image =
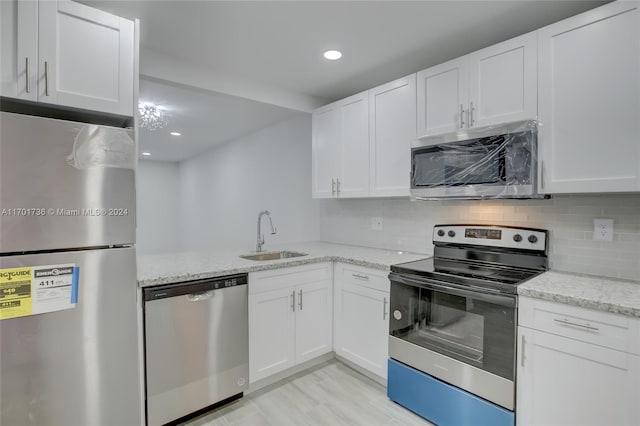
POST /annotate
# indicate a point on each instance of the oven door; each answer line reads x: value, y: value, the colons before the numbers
x: 463, y: 336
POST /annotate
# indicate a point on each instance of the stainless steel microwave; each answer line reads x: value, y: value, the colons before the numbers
x: 489, y: 162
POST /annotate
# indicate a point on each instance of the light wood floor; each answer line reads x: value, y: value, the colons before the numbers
x: 330, y: 394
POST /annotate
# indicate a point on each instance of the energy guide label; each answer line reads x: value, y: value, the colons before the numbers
x: 37, y: 289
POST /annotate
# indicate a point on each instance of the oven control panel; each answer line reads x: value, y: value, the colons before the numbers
x: 491, y: 236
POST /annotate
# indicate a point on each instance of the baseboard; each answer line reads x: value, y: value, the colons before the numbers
x: 380, y: 380
x: 289, y: 372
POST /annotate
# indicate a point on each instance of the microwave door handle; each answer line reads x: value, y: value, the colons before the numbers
x: 457, y: 291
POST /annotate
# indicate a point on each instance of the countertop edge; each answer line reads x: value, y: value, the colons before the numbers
x: 261, y: 267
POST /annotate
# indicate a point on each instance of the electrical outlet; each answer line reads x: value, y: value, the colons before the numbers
x: 376, y: 223
x: 603, y: 229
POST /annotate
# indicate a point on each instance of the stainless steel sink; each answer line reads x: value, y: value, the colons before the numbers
x: 274, y: 255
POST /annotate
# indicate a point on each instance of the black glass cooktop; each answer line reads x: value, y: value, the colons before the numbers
x: 474, y: 274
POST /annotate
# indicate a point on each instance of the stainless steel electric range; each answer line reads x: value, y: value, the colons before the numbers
x: 453, y: 323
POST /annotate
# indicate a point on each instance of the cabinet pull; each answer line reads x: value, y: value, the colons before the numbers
x: 384, y: 309
x: 300, y: 301
x: 26, y: 67
x: 360, y: 277
x: 333, y: 187
x: 565, y: 321
x: 522, y: 351
x: 338, y: 186
x: 46, y: 78
x: 293, y: 301
x: 542, y: 172
x: 471, y: 109
x: 461, y: 116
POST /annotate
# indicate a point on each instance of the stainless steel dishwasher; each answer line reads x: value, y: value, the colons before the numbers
x: 196, y: 346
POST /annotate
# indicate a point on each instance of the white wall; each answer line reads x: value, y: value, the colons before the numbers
x: 408, y: 226
x: 157, y: 207
x: 222, y: 190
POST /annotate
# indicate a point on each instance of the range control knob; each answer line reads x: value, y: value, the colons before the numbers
x: 533, y: 239
x: 517, y: 238
x: 440, y: 233
x: 451, y: 233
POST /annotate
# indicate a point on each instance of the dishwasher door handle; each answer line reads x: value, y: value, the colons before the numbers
x: 196, y: 297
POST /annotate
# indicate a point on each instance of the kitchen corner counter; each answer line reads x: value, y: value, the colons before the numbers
x: 599, y: 293
x: 168, y: 268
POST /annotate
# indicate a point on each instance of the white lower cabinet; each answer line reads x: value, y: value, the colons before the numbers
x: 576, y: 366
x: 289, y: 317
x: 361, y: 321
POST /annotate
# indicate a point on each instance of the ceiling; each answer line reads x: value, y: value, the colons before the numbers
x: 203, y: 118
x: 271, y: 51
x: 280, y: 43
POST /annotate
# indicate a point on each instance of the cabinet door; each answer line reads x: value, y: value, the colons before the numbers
x: 392, y: 113
x: 325, y: 150
x: 271, y: 333
x: 362, y: 326
x: 313, y: 320
x: 589, y: 101
x: 19, y: 44
x: 85, y: 58
x: 563, y: 381
x: 503, y: 82
x: 443, y: 96
x: 354, y: 141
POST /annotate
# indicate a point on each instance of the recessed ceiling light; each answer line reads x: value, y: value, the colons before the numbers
x: 333, y: 55
x: 176, y: 134
x: 146, y: 154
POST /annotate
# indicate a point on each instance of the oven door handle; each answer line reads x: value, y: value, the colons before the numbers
x: 508, y: 301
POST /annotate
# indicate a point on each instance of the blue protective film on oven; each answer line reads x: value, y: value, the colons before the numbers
x: 441, y: 403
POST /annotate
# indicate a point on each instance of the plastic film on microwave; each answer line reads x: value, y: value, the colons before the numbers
x: 490, y: 162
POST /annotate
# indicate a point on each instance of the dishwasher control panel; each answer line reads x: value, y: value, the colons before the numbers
x: 194, y: 287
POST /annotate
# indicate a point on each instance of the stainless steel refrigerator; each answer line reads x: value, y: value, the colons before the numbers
x: 68, y: 328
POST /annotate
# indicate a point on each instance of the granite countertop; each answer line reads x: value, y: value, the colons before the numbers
x: 184, y: 266
x: 599, y: 293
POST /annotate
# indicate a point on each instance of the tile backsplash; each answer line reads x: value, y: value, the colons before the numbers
x: 408, y: 225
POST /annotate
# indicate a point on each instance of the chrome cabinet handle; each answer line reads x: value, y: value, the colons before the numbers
x: 461, y: 116
x: 542, y: 173
x: 522, y: 351
x: 300, y: 301
x: 338, y: 186
x: 333, y: 187
x: 384, y: 309
x: 26, y: 66
x: 471, y: 109
x: 293, y: 301
x: 565, y: 321
x: 46, y: 78
x: 360, y: 277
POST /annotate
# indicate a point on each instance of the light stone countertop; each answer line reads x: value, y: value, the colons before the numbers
x: 599, y: 293
x: 168, y: 268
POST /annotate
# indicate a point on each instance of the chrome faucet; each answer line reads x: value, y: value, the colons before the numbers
x: 260, y: 241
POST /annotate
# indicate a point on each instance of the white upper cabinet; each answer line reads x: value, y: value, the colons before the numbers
x: 443, y: 96
x: 503, y: 82
x: 86, y: 58
x: 327, y: 162
x: 19, y: 44
x: 589, y: 95
x: 392, y: 121
x: 353, y: 178
x: 66, y: 53
x: 340, y: 146
x: 491, y: 86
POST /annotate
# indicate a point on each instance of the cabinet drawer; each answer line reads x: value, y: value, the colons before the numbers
x: 586, y: 325
x: 361, y: 276
x: 273, y: 279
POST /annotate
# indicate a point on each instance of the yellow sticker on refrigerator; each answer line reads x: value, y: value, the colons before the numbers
x: 37, y: 289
